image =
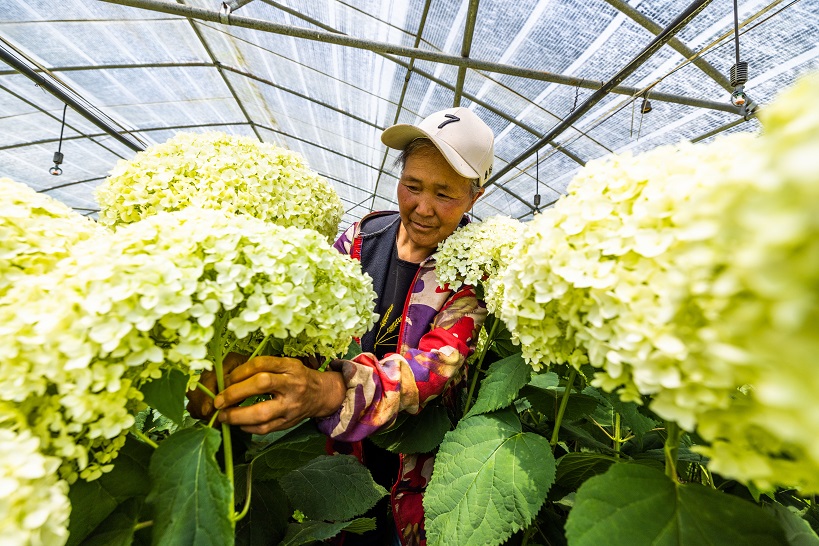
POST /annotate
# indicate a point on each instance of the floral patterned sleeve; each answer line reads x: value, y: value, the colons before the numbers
x: 428, y: 362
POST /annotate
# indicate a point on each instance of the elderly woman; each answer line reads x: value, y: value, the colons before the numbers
x: 418, y: 348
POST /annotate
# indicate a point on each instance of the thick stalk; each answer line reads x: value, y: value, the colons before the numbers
x: 617, y: 440
x: 218, y: 357
x: 562, y: 409
x: 145, y: 438
x: 249, y: 488
x: 672, y: 448
x: 479, y: 362
x: 204, y: 389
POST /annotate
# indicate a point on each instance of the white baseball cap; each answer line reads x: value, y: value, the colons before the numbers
x: 463, y: 138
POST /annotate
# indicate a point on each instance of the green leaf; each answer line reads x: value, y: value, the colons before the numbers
x: 489, y: 480
x: 546, y: 401
x: 502, y: 345
x: 118, y: 528
x: 575, y: 468
x: 332, y: 487
x: 94, y: 501
x: 546, y: 380
x: 797, y: 531
x: 500, y: 387
x: 630, y: 415
x: 189, y: 493
x: 266, y: 522
x: 633, y: 505
x: 420, y: 433
x: 288, y: 453
x: 314, y: 531
x: 167, y: 394
x: 353, y: 350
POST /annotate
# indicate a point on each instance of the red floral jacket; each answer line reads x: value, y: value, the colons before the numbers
x: 439, y: 331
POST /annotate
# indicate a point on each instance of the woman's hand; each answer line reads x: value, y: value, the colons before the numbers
x: 200, y: 405
x: 298, y: 393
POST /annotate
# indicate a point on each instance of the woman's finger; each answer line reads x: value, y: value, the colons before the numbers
x: 268, y: 412
x: 259, y: 383
x: 261, y: 364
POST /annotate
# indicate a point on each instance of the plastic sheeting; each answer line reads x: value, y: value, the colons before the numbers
x: 156, y: 74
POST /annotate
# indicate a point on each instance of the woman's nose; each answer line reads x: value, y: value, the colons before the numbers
x: 424, y: 206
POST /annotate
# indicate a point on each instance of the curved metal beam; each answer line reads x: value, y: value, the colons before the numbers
x: 661, y: 39
x: 426, y: 55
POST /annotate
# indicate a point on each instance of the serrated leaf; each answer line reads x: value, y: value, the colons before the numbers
x: 287, y: 454
x: 489, y: 480
x: 797, y: 531
x: 332, y: 487
x: 311, y: 531
x: 94, y: 501
x: 658, y: 512
x: 630, y: 415
x: 500, y: 387
x: 266, y: 522
x: 187, y: 484
x: 420, y: 433
x: 546, y: 401
x: 118, y: 527
x: 575, y: 468
x: 353, y: 350
x: 546, y: 380
x: 167, y: 394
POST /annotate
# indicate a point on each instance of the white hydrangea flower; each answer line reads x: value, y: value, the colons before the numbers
x: 171, y: 290
x: 234, y: 174
x: 478, y: 253
x: 34, y: 505
x: 36, y: 231
x: 688, y: 273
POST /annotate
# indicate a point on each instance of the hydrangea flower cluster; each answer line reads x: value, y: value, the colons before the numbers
x: 34, y: 505
x: 234, y: 174
x: 689, y: 273
x: 36, y: 231
x: 478, y: 253
x: 166, y: 291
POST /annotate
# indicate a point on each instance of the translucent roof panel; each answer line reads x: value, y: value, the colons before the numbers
x: 139, y: 71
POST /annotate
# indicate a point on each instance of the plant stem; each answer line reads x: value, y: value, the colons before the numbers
x: 204, y: 389
x: 259, y: 347
x: 617, y: 440
x: 226, y: 443
x: 246, y: 507
x: 143, y: 525
x: 213, y: 418
x: 489, y: 339
x: 563, y: 403
x: 672, y: 448
x: 145, y: 439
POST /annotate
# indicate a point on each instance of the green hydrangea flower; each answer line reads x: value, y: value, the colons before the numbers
x: 234, y: 174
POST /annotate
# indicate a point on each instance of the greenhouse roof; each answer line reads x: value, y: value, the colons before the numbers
x: 561, y: 82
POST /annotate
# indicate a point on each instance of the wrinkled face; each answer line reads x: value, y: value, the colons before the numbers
x: 432, y: 199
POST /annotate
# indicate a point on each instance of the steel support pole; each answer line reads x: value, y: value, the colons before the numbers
x: 466, y: 47
x: 661, y: 39
x: 55, y: 90
x: 675, y: 43
x: 422, y: 54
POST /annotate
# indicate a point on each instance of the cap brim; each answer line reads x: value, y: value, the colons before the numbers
x: 399, y: 136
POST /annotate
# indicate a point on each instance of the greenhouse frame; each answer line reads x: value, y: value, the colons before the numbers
x: 560, y: 82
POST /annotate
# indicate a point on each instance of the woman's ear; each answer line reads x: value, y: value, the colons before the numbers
x: 476, y: 196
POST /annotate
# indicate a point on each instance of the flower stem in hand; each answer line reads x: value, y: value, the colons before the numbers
x: 479, y: 362
x: 563, y: 403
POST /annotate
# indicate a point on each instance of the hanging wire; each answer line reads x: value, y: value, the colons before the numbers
x: 58, y: 155
x: 736, y: 31
x: 537, y: 178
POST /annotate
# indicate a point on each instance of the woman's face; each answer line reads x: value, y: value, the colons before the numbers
x: 432, y: 199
